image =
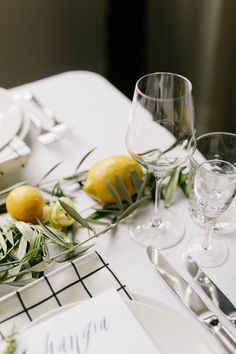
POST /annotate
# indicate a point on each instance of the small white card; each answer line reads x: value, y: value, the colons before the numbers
x: 103, y: 325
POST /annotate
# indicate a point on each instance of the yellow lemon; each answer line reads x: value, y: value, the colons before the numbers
x: 106, y: 170
x: 25, y: 203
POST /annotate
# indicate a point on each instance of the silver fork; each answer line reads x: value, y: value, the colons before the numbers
x: 46, y: 135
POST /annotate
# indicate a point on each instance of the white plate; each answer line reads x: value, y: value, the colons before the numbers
x: 170, y: 331
x: 25, y: 124
x: 10, y: 117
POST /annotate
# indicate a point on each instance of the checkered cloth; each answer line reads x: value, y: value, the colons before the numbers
x: 79, y: 280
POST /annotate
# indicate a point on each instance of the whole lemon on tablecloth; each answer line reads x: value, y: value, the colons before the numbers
x: 107, y: 170
x: 25, y: 203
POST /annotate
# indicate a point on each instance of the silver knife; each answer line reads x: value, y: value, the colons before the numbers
x: 210, y: 288
x: 191, y: 299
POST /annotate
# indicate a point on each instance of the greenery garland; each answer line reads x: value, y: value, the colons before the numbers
x: 25, y: 249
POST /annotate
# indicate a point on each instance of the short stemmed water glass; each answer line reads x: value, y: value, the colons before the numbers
x: 215, y: 188
x: 160, y: 136
x: 210, y: 146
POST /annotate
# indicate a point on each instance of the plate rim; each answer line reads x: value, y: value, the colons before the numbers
x: 19, y: 115
x: 25, y: 123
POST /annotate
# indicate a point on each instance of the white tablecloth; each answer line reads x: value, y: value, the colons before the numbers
x: 97, y: 115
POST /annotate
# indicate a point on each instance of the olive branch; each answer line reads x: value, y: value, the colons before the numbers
x: 25, y: 252
x: 24, y: 247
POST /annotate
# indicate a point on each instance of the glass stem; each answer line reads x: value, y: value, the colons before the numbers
x: 156, y: 220
x: 209, y: 230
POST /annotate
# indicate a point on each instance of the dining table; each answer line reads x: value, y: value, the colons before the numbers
x: 96, y: 114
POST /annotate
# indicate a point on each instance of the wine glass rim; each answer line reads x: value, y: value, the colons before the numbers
x: 161, y: 73
x: 214, y: 133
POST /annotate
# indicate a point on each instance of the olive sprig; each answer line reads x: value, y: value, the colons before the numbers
x: 25, y: 248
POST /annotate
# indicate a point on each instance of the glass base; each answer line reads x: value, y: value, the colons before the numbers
x: 167, y: 234
x: 209, y: 258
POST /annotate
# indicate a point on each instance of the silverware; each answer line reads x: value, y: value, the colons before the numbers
x: 210, y: 288
x: 46, y: 135
x: 46, y: 111
x: 191, y: 299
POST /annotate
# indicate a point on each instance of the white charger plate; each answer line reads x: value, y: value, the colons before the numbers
x: 10, y: 117
x: 169, y: 330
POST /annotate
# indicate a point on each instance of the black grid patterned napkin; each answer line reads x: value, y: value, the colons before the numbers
x: 76, y: 281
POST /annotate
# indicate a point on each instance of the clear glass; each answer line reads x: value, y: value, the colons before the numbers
x: 215, y: 188
x: 215, y: 145
x: 160, y: 136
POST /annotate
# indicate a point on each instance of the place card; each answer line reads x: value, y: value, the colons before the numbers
x: 103, y: 324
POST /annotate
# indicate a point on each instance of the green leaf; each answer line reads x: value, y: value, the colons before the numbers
x: 9, y: 251
x: 184, y: 181
x: 73, y: 254
x: 45, y: 249
x: 7, y: 266
x: 95, y: 221
x: 83, y: 159
x: 9, y: 236
x: 79, y: 176
x: 25, y: 230
x: 76, y: 216
x: 20, y: 283
x: 37, y: 238
x: 40, y: 267
x: 103, y: 213
x: 30, y: 255
x: 133, y: 207
x: 14, y: 271
x: 48, y: 173
x: 3, y: 244
x: 143, y: 185
x: 63, y: 236
x: 115, y: 195
x: 123, y: 189
x: 3, y: 276
x: 171, y: 187
x: 136, y: 180
x: 51, y: 235
x: 22, y: 247
x: 57, y: 191
x: 7, y: 231
x: 112, y: 207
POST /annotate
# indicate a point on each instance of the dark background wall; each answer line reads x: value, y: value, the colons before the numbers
x: 124, y: 39
x: 39, y: 38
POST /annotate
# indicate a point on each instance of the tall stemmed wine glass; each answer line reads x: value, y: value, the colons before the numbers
x: 215, y: 188
x: 160, y: 136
